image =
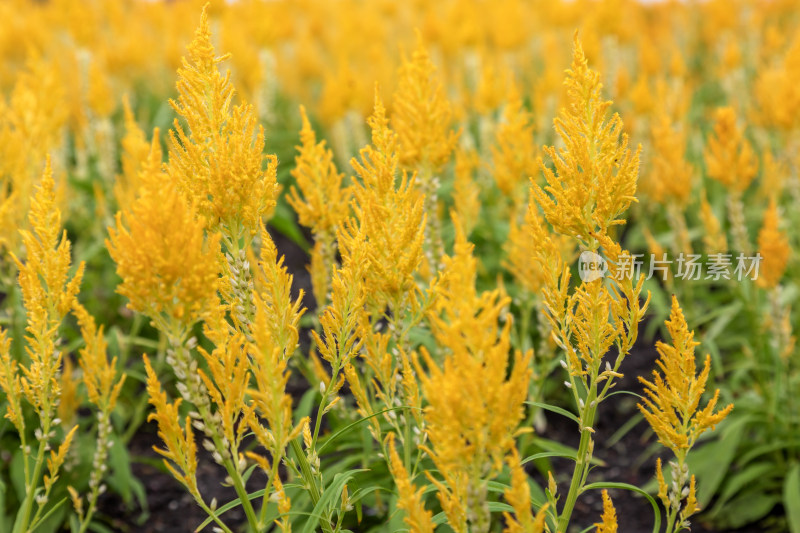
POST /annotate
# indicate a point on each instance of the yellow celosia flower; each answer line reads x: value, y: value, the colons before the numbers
x: 673, y: 397
x: 518, y: 496
x: 729, y: 157
x: 714, y: 239
x: 180, y: 446
x: 777, y: 89
x: 671, y: 178
x: 421, y: 114
x: 466, y: 191
x: 773, y: 245
x: 321, y: 203
x: 389, y: 217
x: 418, y: 519
x: 594, y: 177
x: 514, y: 152
x: 609, y: 523
x: 475, y: 403
x: 166, y: 263
x: 102, y: 380
x: 217, y: 161
x: 135, y: 152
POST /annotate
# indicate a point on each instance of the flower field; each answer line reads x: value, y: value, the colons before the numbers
x: 466, y: 266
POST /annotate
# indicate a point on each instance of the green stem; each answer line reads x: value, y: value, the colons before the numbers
x: 311, y: 483
x: 27, y: 505
x: 582, y: 462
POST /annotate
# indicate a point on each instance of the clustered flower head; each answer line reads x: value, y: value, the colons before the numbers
x: 421, y: 115
x: 773, y: 245
x: 167, y: 263
x: 730, y: 158
x: 593, y: 179
x: 217, y: 162
x: 674, y: 394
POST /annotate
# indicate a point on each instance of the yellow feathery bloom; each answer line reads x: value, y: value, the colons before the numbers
x: 180, y: 446
x: 70, y: 401
x: 673, y: 397
x: 773, y: 245
x: 103, y: 382
x: 518, y: 496
x: 729, y: 157
x: 609, y: 518
x: 418, y: 519
x: 47, y: 291
x: 777, y: 90
x: 461, y: 319
x: 774, y: 175
x: 714, y: 239
x: 56, y: 459
x: 514, y: 152
x: 218, y: 164
x: 227, y: 379
x: 671, y: 177
x: 529, y: 241
x: 11, y: 384
x: 421, y: 115
x: 389, y: 216
x: 321, y: 203
x: 48, y: 294
x: 274, y: 338
x: 475, y: 403
x: 166, y: 263
x: 135, y: 151
x: 594, y: 176
x: 466, y: 191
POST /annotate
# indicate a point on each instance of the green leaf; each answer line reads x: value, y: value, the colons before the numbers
x: 542, y: 455
x: 632, y: 488
x: 334, y: 490
x: 219, y: 511
x: 738, y: 481
x: 558, y: 410
x: 791, y: 498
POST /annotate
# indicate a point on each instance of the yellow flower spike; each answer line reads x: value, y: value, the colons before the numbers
x: 514, y: 152
x: 10, y: 384
x: 773, y: 245
x: 662, y: 484
x: 180, y: 446
x: 594, y: 176
x: 320, y: 199
x: 410, y: 500
x: 167, y: 265
x: 389, y: 221
x: 672, y: 397
x: 729, y: 157
x: 226, y: 382
x: 100, y: 375
x: 714, y: 239
x: 466, y: 191
x: 609, y: 518
x: 671, y: 177
x: 217, y: 161
x: 135, y: 152
x: 273, y: 283
x: 518, y: 496
x: 43, y: 278
x: 69, y: 402
x: 56, y: 459
x: 421, y: 114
